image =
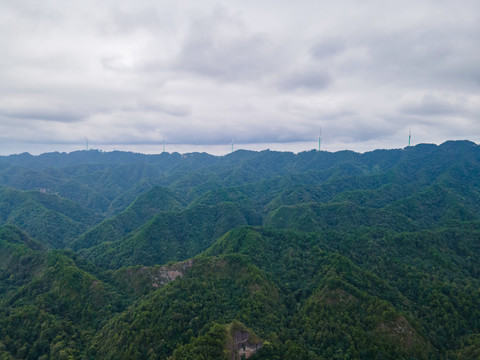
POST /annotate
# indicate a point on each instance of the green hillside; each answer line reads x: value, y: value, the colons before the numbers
x: 48, y: 218
x: 155, y: 200
x: 260, y: 255
x: 49, y: 307
x: 171, y: 236
x: 414, y: 275
x: 213, y: 290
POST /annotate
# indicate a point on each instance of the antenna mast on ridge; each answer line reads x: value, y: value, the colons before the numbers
x: 409, y: 136
x: 233, y: 142
x: 163, y: 144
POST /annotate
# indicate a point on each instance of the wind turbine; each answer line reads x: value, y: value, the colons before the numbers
x: 320, y: 140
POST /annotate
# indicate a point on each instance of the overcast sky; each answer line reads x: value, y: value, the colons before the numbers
x: 271, y: 74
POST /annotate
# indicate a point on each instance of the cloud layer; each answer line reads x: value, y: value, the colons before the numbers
x: 131, y: 74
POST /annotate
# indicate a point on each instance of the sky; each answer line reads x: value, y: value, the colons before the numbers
x: 197, y: 75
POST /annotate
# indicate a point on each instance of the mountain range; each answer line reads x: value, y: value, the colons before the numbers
x: 259, y: 255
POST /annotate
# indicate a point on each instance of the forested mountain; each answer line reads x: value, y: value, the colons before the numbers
x: 49, y: 218
x: 266, y: 255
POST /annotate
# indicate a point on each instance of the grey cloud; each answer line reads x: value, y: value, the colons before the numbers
x: 327, y: 48
x: 257, y: 133
x: 431, y: 105
x: 199, y: 130
x: 430, y: 129
x: 359, y: 129
x: 316, y: 111
x: 123, y: 20
x: 220, y: 46
x: 424, y: 57
x: 134, y: 19
x: 178, y: 110
x: 34, y: 13
x: 305, y: 80
x: 25, y: 106
x: 55, y: 116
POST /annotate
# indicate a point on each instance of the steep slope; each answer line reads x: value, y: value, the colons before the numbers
x: 171, y: 236
x: 20, y: 258
x: 48, y: 218
x: 229, y: 342
x: 213, y: 290
x: 424, y: 209
x: 413, y: 277
x: 48, y: 306
x: 157, y: 199
x: 340, y: 321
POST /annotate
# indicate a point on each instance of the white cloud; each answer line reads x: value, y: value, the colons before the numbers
x: 123, y: 72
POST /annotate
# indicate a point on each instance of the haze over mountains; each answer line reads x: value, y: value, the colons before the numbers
x: 273, y: 255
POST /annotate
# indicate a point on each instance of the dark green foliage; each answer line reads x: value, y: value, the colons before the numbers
x: 157, y: 199
x: 213, y: 290
x: 171, y: 236
x: 211, y: 346
x: 220, y: 342
x: 20, y: 259
x: 49, y: 307
x: 322, y: 255
x: 48, y: 218
x: 340, y: 321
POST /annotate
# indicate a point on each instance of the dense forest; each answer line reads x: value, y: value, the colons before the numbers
x: 259, y: 255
